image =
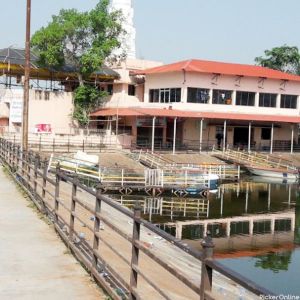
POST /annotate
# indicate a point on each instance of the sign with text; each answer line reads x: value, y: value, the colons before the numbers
x: 16, y: 108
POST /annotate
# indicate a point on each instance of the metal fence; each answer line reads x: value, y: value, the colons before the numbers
x: 72, y: 143
x: 120, y: 258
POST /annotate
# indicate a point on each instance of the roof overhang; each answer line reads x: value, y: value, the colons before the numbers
x: 172, y: 113
x: 12, y: 63
x: 220, y: 68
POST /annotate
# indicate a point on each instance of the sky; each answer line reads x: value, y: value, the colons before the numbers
x: 173, y: 30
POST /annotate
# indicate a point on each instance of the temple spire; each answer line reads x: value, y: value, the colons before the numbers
x: 128, y: 40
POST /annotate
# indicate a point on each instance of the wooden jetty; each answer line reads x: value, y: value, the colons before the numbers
x: 156, y: 161
x: 255, y: 160
x: 154, y: 182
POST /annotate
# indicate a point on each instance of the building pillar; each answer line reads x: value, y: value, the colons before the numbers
x: 205, y: 229
x: 256, y: 100
x: 174, y: 135
x: 224, y: 135
x: 134, y: 129
x: 251, y: 226
x: 234, y: 97
x: 201, y: 135
x: 272, y: 138
x: 249, y: 138
x: 247, y: 198
x: 178, y: 230
x: 210, y: 96
x: 221, y: 204
x: 273, y: 225
x: 184, y: 94
x: 153, y: 134
x: 228, y: 223
x: 164, y: 137
x: 278, y: 98
x: 292, y: 140
x: 110, y: 125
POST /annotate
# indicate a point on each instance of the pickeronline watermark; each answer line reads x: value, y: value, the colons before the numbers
x: 280, y: 297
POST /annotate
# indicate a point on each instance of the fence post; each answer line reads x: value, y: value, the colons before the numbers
x: 53, y: 145
x: 45, y: 170
x: 16, y: 159
x: 206, y: 271
x: 18, y: 156
x: 96, y: 226
x: 56, y: 194
x: 29, y: 159
x: 135, y: 249
x: 73, y: 206
x: 36, y: 166
x: 11, y: 155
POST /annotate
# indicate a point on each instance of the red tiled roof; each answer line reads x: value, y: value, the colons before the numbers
x: 157, y: 112
x: 214, y: 67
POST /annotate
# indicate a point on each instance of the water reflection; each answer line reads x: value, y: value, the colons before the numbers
x: 245, y: 218
x: 255, y: 227
x: 275, y: 261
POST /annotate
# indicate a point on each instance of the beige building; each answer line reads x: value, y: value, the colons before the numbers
x: 197, y: 104
x: 191, y: 104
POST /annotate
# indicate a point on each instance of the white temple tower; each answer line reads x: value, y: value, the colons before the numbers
x: 128, y: 40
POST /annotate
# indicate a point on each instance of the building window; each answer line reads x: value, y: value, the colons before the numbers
x: 110, y: 89
x: 245, y: 98
x: 267, y: 100
x: 175, y: 95
x: 266, y: 133
x: 222, y: 97
x: 165, y: 95
x: 288, y: 101
x: 131, y: 90
x: 196, y: 95
x: 154, y: 95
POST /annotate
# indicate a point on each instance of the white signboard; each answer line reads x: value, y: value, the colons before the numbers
x: 16, y: 108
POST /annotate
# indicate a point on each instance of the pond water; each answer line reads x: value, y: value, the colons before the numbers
x: 255, y: 225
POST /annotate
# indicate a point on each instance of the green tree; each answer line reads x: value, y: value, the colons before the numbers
x: 84, y: 41
x: 284, y: 58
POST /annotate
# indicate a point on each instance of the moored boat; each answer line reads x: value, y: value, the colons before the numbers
x: 291, y: 174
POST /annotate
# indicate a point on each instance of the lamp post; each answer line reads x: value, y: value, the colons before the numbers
x: 26, y: 81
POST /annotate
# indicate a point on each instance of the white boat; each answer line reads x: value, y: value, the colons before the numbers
x: 274, y: 173
x: 80, y: 162
x: 275, y: 180
x: 86, y: 159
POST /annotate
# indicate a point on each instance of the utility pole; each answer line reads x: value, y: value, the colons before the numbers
x: 26, y: 81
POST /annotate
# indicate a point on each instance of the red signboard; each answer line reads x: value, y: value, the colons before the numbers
x: 43, y: 128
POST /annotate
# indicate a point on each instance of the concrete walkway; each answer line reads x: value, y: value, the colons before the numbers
x: 34, y: 262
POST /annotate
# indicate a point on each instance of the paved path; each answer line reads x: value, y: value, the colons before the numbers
x: 35, y: 263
